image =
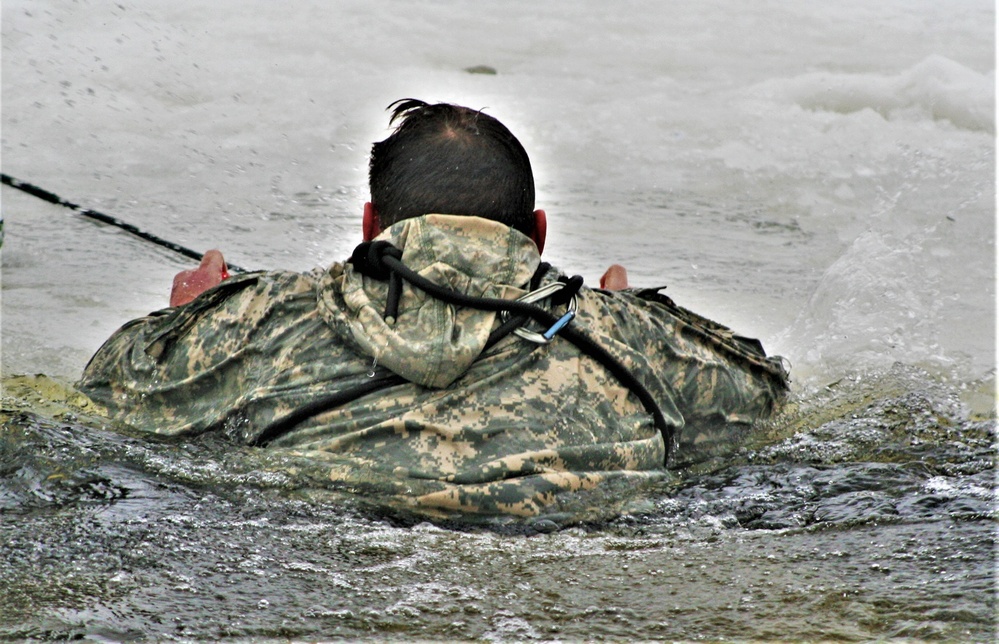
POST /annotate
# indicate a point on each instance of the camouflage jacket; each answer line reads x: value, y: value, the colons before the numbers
x: 507, y: 430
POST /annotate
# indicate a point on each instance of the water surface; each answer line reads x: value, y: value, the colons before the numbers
x: 819, y: 175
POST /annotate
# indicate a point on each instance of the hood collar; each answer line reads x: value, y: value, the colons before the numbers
x: 431, y: 343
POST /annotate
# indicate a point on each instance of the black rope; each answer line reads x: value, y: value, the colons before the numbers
x: 53, y: 198
x: 285, y: 424
x: 581, y: 341
x: 381, y: 260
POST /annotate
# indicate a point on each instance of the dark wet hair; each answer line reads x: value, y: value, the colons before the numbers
x: 448, y: 159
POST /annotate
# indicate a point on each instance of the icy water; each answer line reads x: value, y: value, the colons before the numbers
x: 819, y: 175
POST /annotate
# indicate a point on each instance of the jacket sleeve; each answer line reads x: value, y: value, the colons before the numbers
x: 718, y: 376
x: 182, y: 370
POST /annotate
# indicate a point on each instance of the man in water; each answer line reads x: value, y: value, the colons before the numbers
x: 421, y: 392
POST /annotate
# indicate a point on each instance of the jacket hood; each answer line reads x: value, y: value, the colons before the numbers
x: 431, y: 343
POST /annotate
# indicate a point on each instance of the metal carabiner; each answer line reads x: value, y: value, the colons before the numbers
x: 536, y: 296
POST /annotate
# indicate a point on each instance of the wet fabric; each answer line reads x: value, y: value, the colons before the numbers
x: 512, y: 429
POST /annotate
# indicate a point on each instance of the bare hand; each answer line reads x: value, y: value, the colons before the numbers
x: 188, y: 285
x: 615, y: 279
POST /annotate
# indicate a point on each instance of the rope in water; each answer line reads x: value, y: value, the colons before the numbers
x: 394, y: 269
x: 53, y: 198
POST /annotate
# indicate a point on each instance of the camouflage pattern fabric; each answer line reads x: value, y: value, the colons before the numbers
x: 509, y: 430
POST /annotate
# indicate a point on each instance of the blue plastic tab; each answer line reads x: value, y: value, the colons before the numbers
x: 559, y: 325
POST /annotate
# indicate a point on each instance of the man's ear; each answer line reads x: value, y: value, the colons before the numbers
x: 540, y: 230
x: 370, y: 225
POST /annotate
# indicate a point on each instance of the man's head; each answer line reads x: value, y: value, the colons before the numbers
x: 448, y: 159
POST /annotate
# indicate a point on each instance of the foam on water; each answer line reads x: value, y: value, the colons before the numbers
x: 935, y: 88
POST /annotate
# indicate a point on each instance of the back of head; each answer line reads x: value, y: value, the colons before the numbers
x: 448, y: 159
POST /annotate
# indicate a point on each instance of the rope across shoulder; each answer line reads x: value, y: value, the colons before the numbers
x: 381, y: 260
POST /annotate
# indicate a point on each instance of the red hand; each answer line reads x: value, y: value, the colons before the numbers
x: 615, y: 279
x: 188, y: 285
